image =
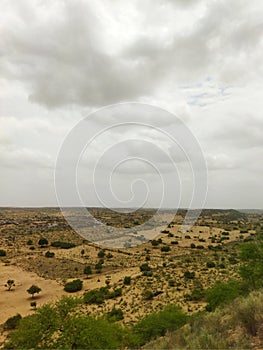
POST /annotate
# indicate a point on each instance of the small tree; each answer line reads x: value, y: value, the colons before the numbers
x: 9, y: 284
x: 33, y: 290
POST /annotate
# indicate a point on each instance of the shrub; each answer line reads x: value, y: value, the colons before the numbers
x: 145, y: 267
x: 210, y: 264
x: 2, y: 252
x: 189, y: 275
x: 59, y: 326
x: 174, y: 242
x: 249, y: 312
x: 222, y: 293
x: 29, y: 242
x: 98, y: 267
x: 97, y: 296
x: 49, y: 254
x: 101, y: 254
x: 154, y: 243
x: 157, y: 324
x: 192, y: 245
x: 73, y: 286
x: 33, y: 304
x: 127, y: 280
x: 12, y: 322
x: 165, y: 248
x: 171, y: 283
x: 63, y: 245
x: 43, y: 241
x: 225, y: 233
x: 115, y: 315
x: 87, y: 270
x: 147, y: 294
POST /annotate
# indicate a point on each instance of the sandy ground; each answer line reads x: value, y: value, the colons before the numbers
x: 18, y: 300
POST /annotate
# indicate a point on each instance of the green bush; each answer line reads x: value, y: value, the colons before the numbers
x: 87, y: 270
x: 12, y: 322
x: 157, y: 324
x: 98, y: 296
x: 73, y: 286
x: 147, y: 294
x: 101, y: 254
x: 210, y: 264
x: 59, y: 326
x: 115, y: 315
x: 189, y: 275
x: 43, y: 241
x: 165, y: 248
x: 2, y: 252
x: 49, y: 254
x: 127, y: 280
x: 63, y: 245
x: 222, y: 293
x: 145, y: 267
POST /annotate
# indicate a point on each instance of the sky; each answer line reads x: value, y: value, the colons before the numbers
x: 110, y: 62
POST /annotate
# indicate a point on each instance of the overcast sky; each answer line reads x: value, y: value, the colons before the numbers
x: 201, y: 60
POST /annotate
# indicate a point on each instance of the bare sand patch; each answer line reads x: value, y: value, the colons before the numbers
x: 18, y: 300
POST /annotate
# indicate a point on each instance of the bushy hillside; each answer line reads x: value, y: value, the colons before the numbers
x: 238, y: 325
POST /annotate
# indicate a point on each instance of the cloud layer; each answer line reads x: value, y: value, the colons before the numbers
x: 202, y: 60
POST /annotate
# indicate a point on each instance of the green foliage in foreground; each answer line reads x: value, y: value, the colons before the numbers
x: 157, y: 324
x: 229, y: 327
x: 59, y: 327
x: 62, y: 326
x: 12, y: 322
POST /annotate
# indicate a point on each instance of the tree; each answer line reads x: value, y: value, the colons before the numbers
x: 9, y: 284
x: 33, y: 290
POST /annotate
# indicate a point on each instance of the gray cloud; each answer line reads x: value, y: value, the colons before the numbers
x: 70, y: 54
